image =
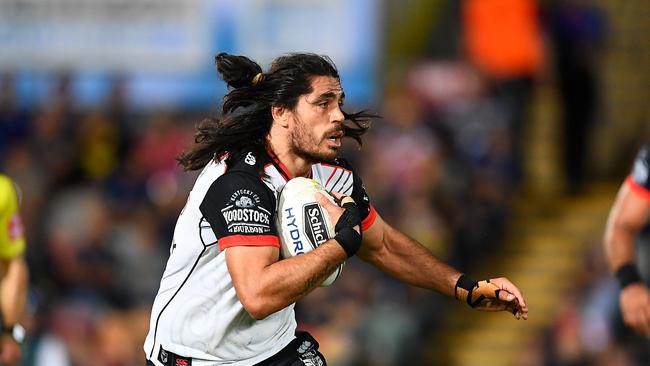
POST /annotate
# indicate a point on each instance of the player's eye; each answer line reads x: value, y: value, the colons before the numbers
x: 324, y: 104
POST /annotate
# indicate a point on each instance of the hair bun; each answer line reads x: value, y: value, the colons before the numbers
x: 238, y: 71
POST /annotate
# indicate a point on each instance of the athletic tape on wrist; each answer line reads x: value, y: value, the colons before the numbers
x: 628, y: 274
x: 346, y: 236
x: 467, y: 284
x: 349, y: 239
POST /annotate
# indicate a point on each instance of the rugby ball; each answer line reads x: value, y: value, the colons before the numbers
x: 302, y: 223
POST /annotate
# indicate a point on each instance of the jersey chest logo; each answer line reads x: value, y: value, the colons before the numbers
x: 244, y: 215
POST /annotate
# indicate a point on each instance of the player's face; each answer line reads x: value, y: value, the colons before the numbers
x: 317, y: 127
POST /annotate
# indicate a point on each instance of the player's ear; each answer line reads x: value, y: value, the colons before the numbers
x: 280, y: 115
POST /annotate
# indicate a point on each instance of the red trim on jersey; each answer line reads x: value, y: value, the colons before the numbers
x: 637, y: 188
x: 336, y: 167
x: 369, y: 220
x: 283, y: 169
x: 331, y: 175
x: 248, y: 241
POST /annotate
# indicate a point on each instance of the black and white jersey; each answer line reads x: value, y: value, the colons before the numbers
x: 196, y: 312
x: 639, y: 178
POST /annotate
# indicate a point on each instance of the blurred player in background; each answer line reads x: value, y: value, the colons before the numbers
x: 225, y: 297
x: 13, y: 273
x: 629, y: 215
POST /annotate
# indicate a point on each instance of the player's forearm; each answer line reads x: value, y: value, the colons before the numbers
x: 410, y: 262
x: 287, y: 281
x: 620, y: 245
x: 14, y: 290
x: 629, y: 214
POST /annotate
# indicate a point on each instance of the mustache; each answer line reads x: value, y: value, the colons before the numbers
x: 335, y: 130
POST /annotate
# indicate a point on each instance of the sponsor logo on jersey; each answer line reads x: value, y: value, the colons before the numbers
x: 304, y: 347
x: 163, y: 356
x: 314, y: 360
x: 250, y: 159
x: 294, y: 231
x: 315, y: 226
x: 244, y: 202
x: 172, y: 359
x: 243, y: 214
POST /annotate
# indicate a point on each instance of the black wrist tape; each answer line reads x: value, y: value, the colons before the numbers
x: 346, y: 236
x: 349, y: 218
x: 467, y: 284
x: 627, y: 274
x: 349, y: 239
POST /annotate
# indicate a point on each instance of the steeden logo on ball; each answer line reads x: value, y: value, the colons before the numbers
x: 315, y: 226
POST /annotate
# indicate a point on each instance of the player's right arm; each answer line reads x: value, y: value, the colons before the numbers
x: 629, y: 214
x: 263, y: 284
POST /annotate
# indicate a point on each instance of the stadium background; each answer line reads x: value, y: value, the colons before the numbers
x: 470, y: 158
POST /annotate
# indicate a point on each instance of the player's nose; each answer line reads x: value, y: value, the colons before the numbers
x: 337, y: 115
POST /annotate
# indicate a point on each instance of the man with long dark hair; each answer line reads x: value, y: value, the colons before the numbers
x: 225, y: 297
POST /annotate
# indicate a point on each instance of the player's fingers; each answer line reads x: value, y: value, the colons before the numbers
x: 345, y: 200
x: 513, y: 306
x: 332, y: 209
x: 505, y: 295
x: 505, y: 284
x: 323, y: 201
x: 342, y: 199
x: 517, y: 307
x: 514, y: 310
x: 337, y: 195
x: 487, y: 289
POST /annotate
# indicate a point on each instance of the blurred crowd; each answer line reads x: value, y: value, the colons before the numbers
x: 588, y: 328
x: 101, y: 192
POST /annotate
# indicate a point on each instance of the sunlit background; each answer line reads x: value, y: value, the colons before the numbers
x: 508, y: 126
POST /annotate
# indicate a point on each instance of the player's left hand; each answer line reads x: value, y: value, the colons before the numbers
x: 498, y: 294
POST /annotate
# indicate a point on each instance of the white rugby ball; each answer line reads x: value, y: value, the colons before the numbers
x: 302, y: 223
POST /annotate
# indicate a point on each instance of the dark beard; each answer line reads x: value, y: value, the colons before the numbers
x: 298, y: 140
x: 311, y: 157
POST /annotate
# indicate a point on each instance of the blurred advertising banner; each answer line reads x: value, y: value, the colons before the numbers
x: 122, y: 35
x: 347, y: 31
x: 344, y: 30
x: 165, y: 48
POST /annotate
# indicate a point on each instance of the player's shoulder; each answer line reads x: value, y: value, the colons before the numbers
x: 243, y: 172
x: 7, y: 188
x: 5, y: 182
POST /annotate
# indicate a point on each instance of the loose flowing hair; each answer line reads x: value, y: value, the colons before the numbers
x: 246, y: 119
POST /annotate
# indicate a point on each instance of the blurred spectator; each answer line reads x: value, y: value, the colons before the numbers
x: 578, y: 31
x: 14, y: 122
x: 476, y: 158
x: 503, y: 39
